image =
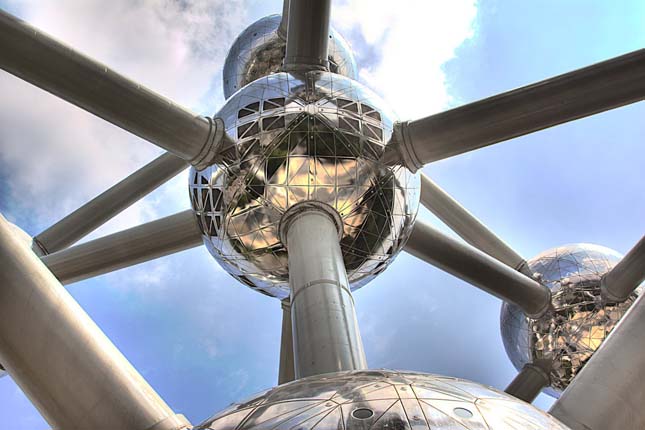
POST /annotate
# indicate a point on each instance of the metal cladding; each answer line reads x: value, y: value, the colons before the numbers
x: 579, y: 320
x: 259, y: 51
x: 382, y: 399
x: 314, y: 136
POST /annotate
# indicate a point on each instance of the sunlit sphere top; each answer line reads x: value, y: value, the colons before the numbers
x: 580, y: 319
x: 318, y: 136
x: 259, y: 50
x: 382, y: 400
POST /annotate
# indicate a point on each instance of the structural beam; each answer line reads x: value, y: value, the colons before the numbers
x: 62, y: 361
x: 619, y: 283
x: 286, y: 373
x: 126, y: 248
x: 479, y: 269
x: 284, y: 22
x: 529, y: 382
x: 583, y: 92
x: 467, y: 226
x: 325, y: 331
x: 107, y: 205
x: 48, y: 64
x: 307, y: 35
x: 608, y: 393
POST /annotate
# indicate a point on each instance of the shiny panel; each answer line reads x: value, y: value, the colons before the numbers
x: 579, y: 320
x: 259, y: 50
x: 317, y: 136
x: 382, y: 400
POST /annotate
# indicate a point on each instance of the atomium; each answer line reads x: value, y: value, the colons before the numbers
x: 315, y: 136
x: 381, y: 400
x: 259, y: 51
x: 568, y: 334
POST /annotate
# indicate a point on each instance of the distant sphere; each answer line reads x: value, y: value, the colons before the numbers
x: 318, y: 136
x: 382, y: 400
x: 259, y: 50
x: 580, y: 319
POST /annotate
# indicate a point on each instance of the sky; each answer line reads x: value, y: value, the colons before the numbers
x: 201, y: 339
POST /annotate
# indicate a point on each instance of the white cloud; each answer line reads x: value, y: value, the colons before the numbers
x: 414, y: 38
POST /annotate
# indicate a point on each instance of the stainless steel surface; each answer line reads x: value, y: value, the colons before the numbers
x: 318, y: 137
x: 126, y: 248
x: 382, y: 400
x: 477, y: 268
x: 579, y: 319
x: 107, y: 205
x: 62, y: 361
x: 609, y: 393
x: 307, y: 35
x: 583, y: 92
x: 46, y: 63
x: 529, y: 382
x: 467, y: 226
x: 286, y: 372
x: 618, y: 284
x: 324, y: 326
x: 259, y: 51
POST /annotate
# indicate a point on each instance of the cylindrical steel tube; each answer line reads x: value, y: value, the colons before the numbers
x: 286, y: 372
x: 307, y: 35
x: 626, y: 276
x: 126, y: 248
x: 479, y: 269
x: 64, y: 363
x: 609, y: 393
x: 110, y: 203
x: 528, y: 383
x: 325, y: 330
x: 48, y: 64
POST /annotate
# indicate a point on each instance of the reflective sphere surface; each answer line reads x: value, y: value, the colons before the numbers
x: 578, y: 323
x: 382, y: 400
x: 259, y: 50
x: 319, y: 137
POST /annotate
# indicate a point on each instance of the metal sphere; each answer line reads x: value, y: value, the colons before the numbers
x: 314, y: 137
x: 579, y: 321
x: 259, y: 50
x: 382, y: 399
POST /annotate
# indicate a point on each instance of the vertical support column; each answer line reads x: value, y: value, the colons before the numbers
x: 325, y: 331
x: 286, y: 373
x: 62, y: 361
x: 307, y: 35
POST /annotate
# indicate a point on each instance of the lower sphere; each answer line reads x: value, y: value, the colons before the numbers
x: 382, y: 399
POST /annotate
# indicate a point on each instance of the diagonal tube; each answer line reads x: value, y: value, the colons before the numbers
x: 608, y: 393
x: 529, y: 382
x: 467, y: 226
x: 48, y: 64
x: 62, y: 361
x: 479, y: 269
x: 583, y: 92
x: 307, y: 35
x: 126, y: 248
x: 107, y: 205
x: 618, y: 284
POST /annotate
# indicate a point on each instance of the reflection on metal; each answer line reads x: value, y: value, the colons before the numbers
x: 609, y: 393
x: 62, y: 361
x: 530, y: 381
x: 126, y: 248
x: 259, y: 51
x: 317, y: 136
x: 629, y: 273
x: 382, y: 399
x: 286, y: 370
x: 579, y: 319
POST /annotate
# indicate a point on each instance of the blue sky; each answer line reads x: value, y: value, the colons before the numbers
x: 204, y: 341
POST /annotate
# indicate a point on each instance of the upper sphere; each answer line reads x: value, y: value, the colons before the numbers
x: 580, y: 318
x: 318, y: 137
x: 382, y: 400
x: 259, y: 50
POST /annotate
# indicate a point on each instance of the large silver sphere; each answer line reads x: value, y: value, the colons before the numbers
x: 580, y: 319
x: 259, y: 50
x: 319, y: 137
x: 382, y: 400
